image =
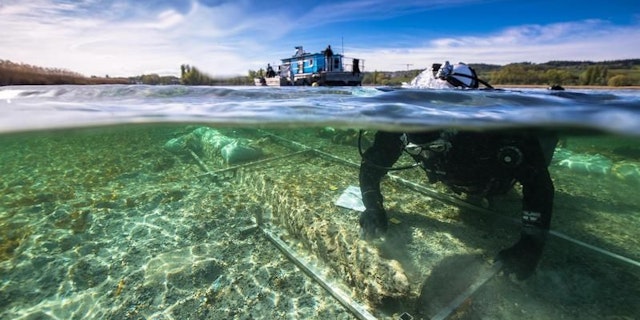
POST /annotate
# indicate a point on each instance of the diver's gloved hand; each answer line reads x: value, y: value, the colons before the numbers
x: 373, y: 223
x: 522, y: 258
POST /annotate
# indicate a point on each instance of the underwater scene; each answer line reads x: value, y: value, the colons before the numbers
x: 250, y: 208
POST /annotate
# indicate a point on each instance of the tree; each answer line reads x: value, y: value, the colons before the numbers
x: 192, y: 76
x: 556, y: 76
x: 517, y: 73
x: 594, y: 75
x: 21, y: 74
x: 620, y: 81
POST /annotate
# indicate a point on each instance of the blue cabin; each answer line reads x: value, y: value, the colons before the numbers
x: 304, y: 68
x: 304, y: 62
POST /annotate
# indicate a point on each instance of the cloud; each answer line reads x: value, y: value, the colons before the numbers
x: 341, y: 11
x: 123, y: 37
x: 583, y: 40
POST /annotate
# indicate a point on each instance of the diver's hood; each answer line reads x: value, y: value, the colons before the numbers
x: 446, y: 76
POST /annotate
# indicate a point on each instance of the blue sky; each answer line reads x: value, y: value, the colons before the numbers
x: 131, y: 37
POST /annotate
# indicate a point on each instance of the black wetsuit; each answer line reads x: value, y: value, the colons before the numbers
x: 479, y: 163
x: 328, y: 55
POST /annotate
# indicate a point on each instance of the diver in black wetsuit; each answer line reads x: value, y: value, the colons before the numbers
x: 476, y: 163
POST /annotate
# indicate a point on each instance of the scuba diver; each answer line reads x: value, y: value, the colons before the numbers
x: 477, y: 163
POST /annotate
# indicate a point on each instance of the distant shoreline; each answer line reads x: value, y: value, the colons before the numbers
x: 539, y: 86
x: 534, y: 86
x: 497, y: 86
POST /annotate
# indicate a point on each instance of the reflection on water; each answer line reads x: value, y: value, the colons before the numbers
x: 150, y: 222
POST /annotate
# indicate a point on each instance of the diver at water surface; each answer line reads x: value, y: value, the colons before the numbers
x: 477, y: 163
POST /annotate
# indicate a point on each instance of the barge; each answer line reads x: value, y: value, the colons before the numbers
x: 314, y: 69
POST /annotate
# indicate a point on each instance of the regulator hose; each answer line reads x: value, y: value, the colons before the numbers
x: 379, y: 166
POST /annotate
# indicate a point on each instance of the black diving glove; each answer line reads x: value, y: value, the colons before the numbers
x: 373, y: 223
x: 522, y: 258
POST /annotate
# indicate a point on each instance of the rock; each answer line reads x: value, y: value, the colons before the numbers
x: 211, y: 143
x: 176, y: 145
x: 585, y: 163
x: 235, y: 153
x: 627, y: 171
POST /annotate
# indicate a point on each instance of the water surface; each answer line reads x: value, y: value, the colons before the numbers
x: 101, y: 217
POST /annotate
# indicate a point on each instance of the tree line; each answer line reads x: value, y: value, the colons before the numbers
x: 12, y: 73
x: 586, y: 74
x: 190, y: 75
x: 606, y: 73
x: 24, y: 74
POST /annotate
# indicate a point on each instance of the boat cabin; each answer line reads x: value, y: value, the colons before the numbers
x: 323, y: 68
x: 304, y: 62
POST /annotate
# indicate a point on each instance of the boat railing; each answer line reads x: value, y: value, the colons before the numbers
x: 348, y: 64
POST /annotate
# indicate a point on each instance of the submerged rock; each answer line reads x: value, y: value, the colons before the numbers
x: 211, y: 143
x: 626, y: 170
x: 176, y: 145
x: 236, y: 153
x: 588, y: 163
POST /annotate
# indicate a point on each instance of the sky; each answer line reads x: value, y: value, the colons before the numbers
x: 228, y: 38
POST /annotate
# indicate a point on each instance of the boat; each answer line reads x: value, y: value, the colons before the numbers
x: 314, y: 69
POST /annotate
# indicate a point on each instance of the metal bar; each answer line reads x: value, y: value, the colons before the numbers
x: 198, y: 160
x: 440, y: 196
x: 356, y: 309
x: 594, y: 248
x: 248, y: 164
x: 462, y: 297
x: 456, y: 201
x: 336, y: 158
x: 290, y: 142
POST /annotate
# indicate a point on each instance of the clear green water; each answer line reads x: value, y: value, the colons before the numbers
x: 105, y: 223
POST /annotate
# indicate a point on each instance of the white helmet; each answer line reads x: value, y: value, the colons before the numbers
x: 459, y: 75
x: 445, y: 75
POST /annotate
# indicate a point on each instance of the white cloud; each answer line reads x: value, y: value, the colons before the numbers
x: 130, y: 38
x: 593, y: 40
x: 371, y: 10
x: 133, y: 41
x: 169, y: 18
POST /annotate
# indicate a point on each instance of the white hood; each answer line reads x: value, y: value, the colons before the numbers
x: 435, y: 79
